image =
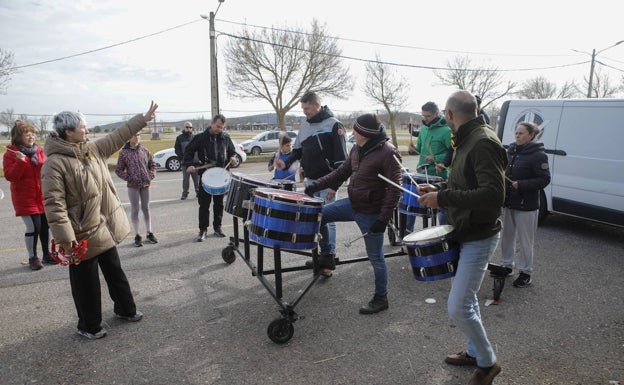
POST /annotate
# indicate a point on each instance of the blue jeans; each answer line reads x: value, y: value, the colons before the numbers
x: 341, y: 211
x: 328, y: 247
x: 463, y: 304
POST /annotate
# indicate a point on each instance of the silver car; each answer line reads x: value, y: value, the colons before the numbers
x: 267, y: 141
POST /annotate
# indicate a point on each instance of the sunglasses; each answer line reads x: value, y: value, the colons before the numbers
x: 188, y: 127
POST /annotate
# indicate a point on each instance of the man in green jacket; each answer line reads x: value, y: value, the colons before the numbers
x: 473, y: 198
x: 434, y: 139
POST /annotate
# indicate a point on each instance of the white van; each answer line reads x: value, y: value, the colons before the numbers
x: 584, y: 141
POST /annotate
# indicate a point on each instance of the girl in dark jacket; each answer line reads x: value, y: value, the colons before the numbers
x: 526, y: 174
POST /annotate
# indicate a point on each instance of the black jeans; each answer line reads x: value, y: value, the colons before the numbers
x: 204, y: 200
x: 85, y: 284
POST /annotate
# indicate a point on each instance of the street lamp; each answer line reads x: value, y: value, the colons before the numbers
x: 593, y: 64
x: 214, y: 77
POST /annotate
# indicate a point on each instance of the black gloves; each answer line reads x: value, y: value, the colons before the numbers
x: 311, y: 189
x: 378, y: 227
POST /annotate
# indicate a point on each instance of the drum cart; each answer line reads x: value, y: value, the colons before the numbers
x: 281, y: 329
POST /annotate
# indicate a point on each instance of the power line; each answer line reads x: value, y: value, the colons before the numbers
x: 403, y: 64
x: 389, y: 44
x: 103, y: 48
x: 306, y: 33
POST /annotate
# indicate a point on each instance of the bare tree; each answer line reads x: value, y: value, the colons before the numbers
x: 540, y: 88
x: 567, y: 91
x: 384, y: 86
x: 601, y: 85
x: 7, y: 117
x: 485, y: 82
x: 7, y: 68
x: 43, y: 126
x: 280, y: 65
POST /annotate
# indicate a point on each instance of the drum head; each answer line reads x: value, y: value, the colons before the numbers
x: 216, y: 177
x: 429, y: 234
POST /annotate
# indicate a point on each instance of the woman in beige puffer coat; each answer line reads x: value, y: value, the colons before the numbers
x: 81, y: 203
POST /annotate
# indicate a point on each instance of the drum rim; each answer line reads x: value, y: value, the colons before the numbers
x: 418, y: 237
x: 306, y: 199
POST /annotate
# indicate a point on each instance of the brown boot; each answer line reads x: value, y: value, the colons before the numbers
x: 485, y: 376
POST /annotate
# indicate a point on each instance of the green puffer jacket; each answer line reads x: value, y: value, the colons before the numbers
x: 475, y: 190
x: 435, y: 140
x: 80, y: 198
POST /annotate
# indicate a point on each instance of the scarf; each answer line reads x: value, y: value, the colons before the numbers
x: 31, y: 152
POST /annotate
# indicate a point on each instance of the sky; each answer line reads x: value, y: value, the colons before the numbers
x: 524, y: 39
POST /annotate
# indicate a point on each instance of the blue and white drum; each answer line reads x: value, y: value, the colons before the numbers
x: 288, y: 219
x: 409, y: 204
x: 216, y: 181
x: 432, y: 254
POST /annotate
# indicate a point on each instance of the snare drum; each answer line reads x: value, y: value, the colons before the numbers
x: 431, y: 254
x: 241, y: 191
x: 287, y: 219
x: 216, y: 181
x: 409, y: 204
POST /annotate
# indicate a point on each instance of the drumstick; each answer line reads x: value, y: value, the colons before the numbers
x: 397, y: 186
x: 228, y: 165
x: 203, y: 166
x: 13, y: 151
x: 404, y: 170
x: 509, y: 179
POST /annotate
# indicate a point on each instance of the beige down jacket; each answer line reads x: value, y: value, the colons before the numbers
x: 80, y: 198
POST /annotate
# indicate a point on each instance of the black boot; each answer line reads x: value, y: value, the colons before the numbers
x: 377, y: 304
x: 327, y: 264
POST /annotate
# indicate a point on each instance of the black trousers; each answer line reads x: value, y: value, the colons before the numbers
x: 204, y: 200
x: 85, y: 284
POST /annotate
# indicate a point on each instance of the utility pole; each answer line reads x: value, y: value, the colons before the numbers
x: 214, y: 76
x: 593, y: 64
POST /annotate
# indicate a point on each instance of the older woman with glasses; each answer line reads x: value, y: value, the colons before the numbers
x: 22, y: 164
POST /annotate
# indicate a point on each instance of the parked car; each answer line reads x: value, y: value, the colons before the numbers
x: 350, y: 142
x: 168, y: 159
x: 267, y: 141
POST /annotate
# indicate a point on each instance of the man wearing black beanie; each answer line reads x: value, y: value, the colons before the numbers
x: 371, y: 200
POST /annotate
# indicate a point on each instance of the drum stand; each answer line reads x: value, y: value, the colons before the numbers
x: 281, y: 329
x: 499, y: 273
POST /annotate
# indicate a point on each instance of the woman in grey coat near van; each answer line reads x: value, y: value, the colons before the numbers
x: 526, y: 174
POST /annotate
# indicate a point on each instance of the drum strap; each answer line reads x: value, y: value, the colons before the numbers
x: 280, y: 236
x: 286, y: 215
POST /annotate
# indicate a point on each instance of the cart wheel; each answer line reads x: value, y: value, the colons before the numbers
x: 280, y: 331
x: 499, y: 283
x: 228, y: 254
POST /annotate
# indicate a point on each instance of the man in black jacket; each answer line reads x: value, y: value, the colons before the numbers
x: 321, y: 147
x: 181, y: 142
x: 213, y: 148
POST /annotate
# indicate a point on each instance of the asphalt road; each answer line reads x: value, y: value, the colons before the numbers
x: 206, y: 321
